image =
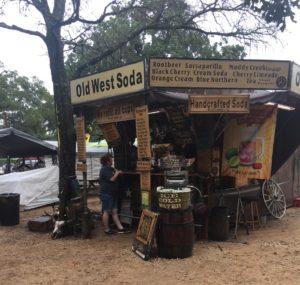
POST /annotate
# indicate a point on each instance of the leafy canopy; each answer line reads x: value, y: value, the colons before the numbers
x: 274, y: 11
x: 26, y: 104
x: 167, y: 42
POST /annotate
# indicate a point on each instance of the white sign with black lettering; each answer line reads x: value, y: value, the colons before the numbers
x: 295, y: 79
x: 123, y: 80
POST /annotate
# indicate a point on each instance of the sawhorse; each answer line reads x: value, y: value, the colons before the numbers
x: 240, y: 211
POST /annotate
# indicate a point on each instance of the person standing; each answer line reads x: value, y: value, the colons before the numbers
x: 108, y: 180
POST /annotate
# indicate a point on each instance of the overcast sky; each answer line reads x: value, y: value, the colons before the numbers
x: 28, y: 55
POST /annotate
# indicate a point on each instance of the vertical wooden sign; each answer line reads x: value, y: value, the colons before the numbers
x: 144, y: 152
x: 145, y: 177
x: 80, y: 132
x: 143, y: 132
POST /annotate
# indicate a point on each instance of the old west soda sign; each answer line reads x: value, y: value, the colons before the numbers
x: 218, y: 104
x: 295, y: 79
x: 243, y: 74
x: 123, y: 80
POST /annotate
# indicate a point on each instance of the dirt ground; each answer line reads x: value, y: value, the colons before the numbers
x: 269, y: 255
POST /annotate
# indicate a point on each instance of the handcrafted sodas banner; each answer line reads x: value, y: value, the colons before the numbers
x: 248, y: 143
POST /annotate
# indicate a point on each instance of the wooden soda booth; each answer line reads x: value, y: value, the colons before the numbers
x: 189, y: 134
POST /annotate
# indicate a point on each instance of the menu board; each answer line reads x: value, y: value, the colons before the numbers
x: 80, y: 132
x: 223, y: 74
x: 143, y: 132
x: 111, y: 134
x: 180, y: 125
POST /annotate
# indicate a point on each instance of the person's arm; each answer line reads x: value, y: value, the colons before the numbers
x: 115, y: 176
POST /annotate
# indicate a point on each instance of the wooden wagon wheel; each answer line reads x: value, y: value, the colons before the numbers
x: 274, y: 199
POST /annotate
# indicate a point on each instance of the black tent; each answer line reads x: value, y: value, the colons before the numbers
x: 14, y: 143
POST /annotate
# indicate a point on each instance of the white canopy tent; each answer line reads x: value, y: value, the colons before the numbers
x: 40, y: 187
x: 94, y: 151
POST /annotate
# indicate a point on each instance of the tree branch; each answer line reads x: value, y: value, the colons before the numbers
x: 22, y: 30
x: 75, y: 17
x: 237, y: 30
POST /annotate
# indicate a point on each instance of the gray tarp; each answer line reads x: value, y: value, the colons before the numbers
x: 37, y: 187
x: 14, y: 143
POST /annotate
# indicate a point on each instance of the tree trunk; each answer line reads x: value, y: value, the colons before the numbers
x: 64, y: 113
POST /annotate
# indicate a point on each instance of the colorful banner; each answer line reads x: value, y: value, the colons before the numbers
x: 248, y: 144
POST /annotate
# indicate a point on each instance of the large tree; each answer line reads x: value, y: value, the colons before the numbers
x: 26, y: 104
x: 64, y: 24
x: 166, y: 43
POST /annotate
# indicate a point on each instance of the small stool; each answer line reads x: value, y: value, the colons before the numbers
x: 251, y: 211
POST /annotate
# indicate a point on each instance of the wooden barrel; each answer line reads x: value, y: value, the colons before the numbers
x: 218, y: 228
x: 175, y: 233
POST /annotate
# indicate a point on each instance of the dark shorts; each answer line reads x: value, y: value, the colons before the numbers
x: 109, y: 202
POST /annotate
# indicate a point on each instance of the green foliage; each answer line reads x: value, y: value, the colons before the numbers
x: 95, y: 132
x: 26, y: 104
x: 274, y: 11
x: 151, y: 42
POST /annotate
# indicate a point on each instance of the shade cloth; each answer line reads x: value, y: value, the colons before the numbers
x: 15, y: 143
